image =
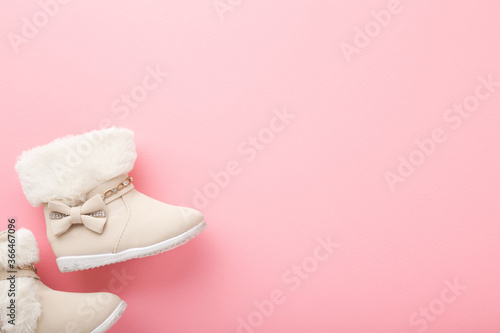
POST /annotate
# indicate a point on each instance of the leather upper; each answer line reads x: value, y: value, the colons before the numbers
x: 133, y: 220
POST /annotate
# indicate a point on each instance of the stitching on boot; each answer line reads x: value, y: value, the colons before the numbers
x: 129, y: 210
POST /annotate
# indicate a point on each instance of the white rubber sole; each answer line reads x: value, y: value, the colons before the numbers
x: 112, y: 319
x: 78, y: 263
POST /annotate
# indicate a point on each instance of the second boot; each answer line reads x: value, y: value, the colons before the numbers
x: 29, y: 306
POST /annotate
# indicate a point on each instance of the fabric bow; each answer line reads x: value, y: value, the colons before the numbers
x: 92, y: 214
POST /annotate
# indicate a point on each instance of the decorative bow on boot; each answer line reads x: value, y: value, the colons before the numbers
x: 92, y: 214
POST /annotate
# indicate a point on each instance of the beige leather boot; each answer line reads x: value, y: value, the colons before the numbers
x: 94, y: 215
x: 29, y: 306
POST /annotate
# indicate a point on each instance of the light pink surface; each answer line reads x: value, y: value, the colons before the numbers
x: 322, y: 176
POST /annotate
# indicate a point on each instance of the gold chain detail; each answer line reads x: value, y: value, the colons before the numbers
x: 117, y: 188
x: 29, y: 267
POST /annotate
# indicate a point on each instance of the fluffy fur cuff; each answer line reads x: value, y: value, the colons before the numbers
x: 26, y: 249
x: 28, y: 308
x: 70, y: 167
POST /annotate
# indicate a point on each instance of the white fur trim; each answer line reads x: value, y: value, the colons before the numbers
x: 70, y: 167
x: 26, y: 249
x: 28, y: 307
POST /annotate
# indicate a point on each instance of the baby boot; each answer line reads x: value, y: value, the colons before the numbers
x: 94, y: 215
x: 29, y: 306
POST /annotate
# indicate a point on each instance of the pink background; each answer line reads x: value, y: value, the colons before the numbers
x: 323, y: 175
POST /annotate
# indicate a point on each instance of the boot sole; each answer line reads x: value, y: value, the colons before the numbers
x: 112, y: 319
x: 78, y: 263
